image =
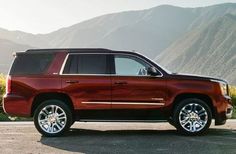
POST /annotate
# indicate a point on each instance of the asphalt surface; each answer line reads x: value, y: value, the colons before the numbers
x: 22, y: 137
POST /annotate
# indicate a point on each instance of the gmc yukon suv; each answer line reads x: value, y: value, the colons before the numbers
x: 60, y: 86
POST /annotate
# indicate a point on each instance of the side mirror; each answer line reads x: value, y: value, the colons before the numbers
x: 152, y: 71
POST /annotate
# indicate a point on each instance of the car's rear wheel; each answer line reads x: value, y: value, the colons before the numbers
x: 192, y: 116
x: 52, y: 118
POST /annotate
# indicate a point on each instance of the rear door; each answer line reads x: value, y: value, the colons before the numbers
x: 86, y: 78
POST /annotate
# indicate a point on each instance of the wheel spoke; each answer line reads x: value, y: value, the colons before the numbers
x: 45, y: 111
x: 52, y: 109
x: 191, y: 107
x: 49, y: 129
x: 185, y: 112
x: 61, y: 114
x: 58, y: 126
x: 201, y: 114
x: 183, y: 122
x: 194, y: 107
x: 192, y: 127
x: 199, y: 123
x: 60, y: 118
x: 43, y: 121
x: 56, y: 109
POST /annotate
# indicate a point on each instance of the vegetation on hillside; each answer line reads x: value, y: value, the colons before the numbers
x: 3, y: 117
x: 2, y: 87
x: 233, y: 95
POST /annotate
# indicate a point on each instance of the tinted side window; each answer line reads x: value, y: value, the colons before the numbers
x: 31, y: 64
x: 86, y: 64
x: 129, y: 65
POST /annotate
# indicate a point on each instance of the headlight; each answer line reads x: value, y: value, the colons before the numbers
x: 223, y: 87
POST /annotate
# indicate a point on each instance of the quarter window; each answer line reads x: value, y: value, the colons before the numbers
x: 31, y: 64
x: 86, y: 64
x: 130, y: 66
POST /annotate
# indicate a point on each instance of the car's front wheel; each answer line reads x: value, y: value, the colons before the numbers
x: 192, y: 116
x: 52, y: 118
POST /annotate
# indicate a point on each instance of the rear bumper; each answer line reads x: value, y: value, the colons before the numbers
x: 224, y: 110
x: 15, y: 105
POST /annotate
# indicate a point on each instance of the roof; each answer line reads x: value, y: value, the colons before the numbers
x: 73, y: 50
x: 68, y: 50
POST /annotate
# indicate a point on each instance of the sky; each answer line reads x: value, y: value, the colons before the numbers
x: 44, y: 16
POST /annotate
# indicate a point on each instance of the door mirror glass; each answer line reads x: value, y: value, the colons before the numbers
x: 152, y: 71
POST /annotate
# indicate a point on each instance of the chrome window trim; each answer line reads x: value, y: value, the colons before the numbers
x: 63, y: 64
x: 65, y: 60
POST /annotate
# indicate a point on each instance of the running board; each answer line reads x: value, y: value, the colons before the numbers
x: 95, y: 120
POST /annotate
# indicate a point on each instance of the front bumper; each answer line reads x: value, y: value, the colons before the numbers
x: 15, y: 105
x: 229, y: 112
x: 223, y: 110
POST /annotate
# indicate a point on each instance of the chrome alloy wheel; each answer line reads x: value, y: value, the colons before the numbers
x: 193, y: 117
x: 52, y: 119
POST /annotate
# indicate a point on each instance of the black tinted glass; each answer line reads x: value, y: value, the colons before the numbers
x: 86, y: 64
x: 31, y: 64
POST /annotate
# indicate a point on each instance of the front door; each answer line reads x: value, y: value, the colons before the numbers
x: 132, y: 87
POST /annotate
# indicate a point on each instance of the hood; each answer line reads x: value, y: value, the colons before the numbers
x: 194, y: 77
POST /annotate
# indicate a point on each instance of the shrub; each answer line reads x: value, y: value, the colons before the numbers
x: 3, y: 116
x: 232, y: 91
x: 2, y: 87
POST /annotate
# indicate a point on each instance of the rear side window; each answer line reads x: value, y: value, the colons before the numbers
x: 31, y: 64
x: 87, y: 64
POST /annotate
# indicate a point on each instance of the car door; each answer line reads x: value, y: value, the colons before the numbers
x: 133, y: 87
x: 86, y: 79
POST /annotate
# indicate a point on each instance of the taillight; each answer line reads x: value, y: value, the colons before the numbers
x: 8, y: 85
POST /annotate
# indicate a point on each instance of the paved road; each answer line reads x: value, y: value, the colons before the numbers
x: 116, y: 138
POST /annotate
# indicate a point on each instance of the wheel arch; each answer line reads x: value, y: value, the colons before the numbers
x: 51, y: 95
x: 202, y: 97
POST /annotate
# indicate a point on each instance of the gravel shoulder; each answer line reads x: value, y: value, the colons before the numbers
x: 108, y: 137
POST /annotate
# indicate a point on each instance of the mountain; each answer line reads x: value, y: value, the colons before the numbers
x: 23, y: 38
x: 183, y: 39
x: 210, y: 50
x: 149, y: 31
x: 6, y: 49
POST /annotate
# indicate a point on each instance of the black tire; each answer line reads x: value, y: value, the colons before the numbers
x: 62, y: 107
x: 179, y: 113
x: 73, y: 121
x: 171, y: 122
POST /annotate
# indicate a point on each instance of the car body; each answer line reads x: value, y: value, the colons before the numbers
x: 93, y: 84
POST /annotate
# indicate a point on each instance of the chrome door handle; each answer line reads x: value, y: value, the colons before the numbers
x: 72, y: 81
x: 120, y: 82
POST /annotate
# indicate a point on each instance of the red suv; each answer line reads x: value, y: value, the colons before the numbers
x: 59, y: 86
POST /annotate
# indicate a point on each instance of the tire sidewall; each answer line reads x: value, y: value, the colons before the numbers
x: 62, y: 105
x: 189, y: 101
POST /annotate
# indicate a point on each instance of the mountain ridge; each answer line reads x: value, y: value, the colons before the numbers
x: 183, y: 38
x: 210, y: 51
